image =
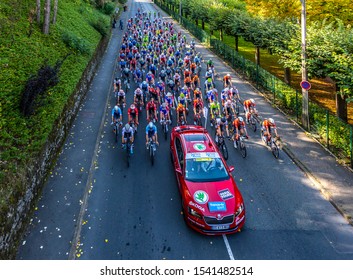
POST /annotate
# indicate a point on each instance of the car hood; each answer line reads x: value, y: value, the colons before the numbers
x: 221, y: 197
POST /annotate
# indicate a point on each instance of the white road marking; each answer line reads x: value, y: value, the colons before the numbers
x: 230, y: 253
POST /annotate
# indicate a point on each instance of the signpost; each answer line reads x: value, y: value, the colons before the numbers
x: 305, y: 85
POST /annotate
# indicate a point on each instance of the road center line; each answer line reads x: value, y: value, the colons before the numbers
x: 230, y: 253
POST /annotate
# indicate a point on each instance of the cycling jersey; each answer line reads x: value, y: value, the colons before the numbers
x: 151, y: 132
x: 116, y: 114
x: 127, y: 133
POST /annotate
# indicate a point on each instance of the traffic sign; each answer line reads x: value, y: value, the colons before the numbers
x: 305, y: 85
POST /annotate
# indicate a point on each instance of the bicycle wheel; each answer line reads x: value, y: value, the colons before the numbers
x: 242, y: 149
x: 165, y: 130
x: 152, y: 153
x: 128, y: 154
x: 275, y: 150
x: 253, y: 124
x: 116, y: 133
x: 224, y: 150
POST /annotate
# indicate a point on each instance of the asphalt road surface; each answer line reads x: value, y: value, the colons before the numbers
x: 94, y: 207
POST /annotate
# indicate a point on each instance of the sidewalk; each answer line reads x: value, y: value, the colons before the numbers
x: 333, y: 180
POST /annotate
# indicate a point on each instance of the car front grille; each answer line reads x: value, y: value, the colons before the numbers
x: 214, y: 221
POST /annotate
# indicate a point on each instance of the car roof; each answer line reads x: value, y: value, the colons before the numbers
x: 196, y: 140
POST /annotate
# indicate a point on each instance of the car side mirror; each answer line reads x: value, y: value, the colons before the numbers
x: 231, y: 168
x: 178, y: 170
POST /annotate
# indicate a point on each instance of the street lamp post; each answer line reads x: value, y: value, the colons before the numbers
x: 305, y: 102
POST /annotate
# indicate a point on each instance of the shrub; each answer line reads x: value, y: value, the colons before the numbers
x: 79, y: 44
x: 108, y: 8
x: 101, y: 26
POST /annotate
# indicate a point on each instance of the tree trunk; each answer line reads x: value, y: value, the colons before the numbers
x: 287, y: 76
x: 203, y: 25
x: 46, y: 24
x: 341, y: 104
x: 257, y: 55
x: 38, y: 11
x: 197, y: 22
x: 221, y: 34
x: 236, y: 37
x: 55, y: 11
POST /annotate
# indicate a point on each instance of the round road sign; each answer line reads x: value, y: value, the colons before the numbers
x: 305, y: 85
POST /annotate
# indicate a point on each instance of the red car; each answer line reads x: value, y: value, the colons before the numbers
x: 212, y: 203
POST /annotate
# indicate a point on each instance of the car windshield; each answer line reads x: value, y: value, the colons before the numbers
x: 205, y: 169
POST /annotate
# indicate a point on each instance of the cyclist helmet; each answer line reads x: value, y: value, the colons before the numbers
x: 240, y: 119
x: 127, y: 126
x: 116, y: 108
x: 132, y: 106
x: 229, y: 102
x: 271, y: 121
x: 223, y: 119
x: 252, y: 101
x: 169, y: 94
x: 228, y: 75
x: 182, y: 95
x: 150, y: 125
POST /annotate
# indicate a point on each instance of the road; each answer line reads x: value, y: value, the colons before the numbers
x: 94, y: 207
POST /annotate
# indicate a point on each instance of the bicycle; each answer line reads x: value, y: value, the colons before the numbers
x: 165, y: 127
x: 128, y: 146
x: 152, y: 149
x: 222, y: 146
x: 197, y: 119
x: 271, y: 142
x: 253, y: 121
x: 117, y: 125
x: 240, y: 145
x: 126, y: 83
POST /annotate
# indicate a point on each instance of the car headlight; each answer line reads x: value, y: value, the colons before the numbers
x: 192, y: 212
x: 239, y: 210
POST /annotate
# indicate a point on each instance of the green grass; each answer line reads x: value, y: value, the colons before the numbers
x: 21, y: 139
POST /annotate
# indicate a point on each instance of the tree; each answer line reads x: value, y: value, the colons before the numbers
x: 38, y: 11
x: 46, y: 24
x: 217, y: 13
x: 55, y: 11
x: 199, y: 10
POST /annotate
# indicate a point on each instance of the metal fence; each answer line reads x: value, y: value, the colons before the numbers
x: 334, y: 133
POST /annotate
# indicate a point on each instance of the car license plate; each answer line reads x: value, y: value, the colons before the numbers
x: 220, y: 227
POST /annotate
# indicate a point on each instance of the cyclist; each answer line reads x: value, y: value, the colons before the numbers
x: 127, y: 132
x: 209, y: 64
x: 211, y: 95
x: 164, y: 113
x: 195, y: 81
x: 151, y: 132
x: 214, y: 110
x: 181, y: 113
x: 182, y: 99
x: 117, y: 85
x: 133, y: 115
x: 198, y: 108
x: 151, y: 110
x: 249, y: 108
x: 117, y: 115
x: 197, y: 93
x: 154, y: 93
x: 267, y: 126
x: 221, y: 125
x: 138, y: 75
x: 239, y: 129
x: 138, y: 96
x: 150, y: 78
x: 228, y: 110
x: 169, y: 99
x: 227, y: 80
x: 120, y: 96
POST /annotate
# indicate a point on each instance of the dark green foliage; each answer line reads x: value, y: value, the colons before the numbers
x: 101, y: 26
x: 122, y: 2
x: 79, y: 44
x: 108, y: 8
x: 37, y: 85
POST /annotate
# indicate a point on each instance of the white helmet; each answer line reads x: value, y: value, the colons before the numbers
x: 252, y: 101
x: 127, y: 126
x: 116, y: 108
x: 169, y: 94
x: 240, y: 119
x: 272, y: 121
x: 228, y: 102
x: 150, y: 125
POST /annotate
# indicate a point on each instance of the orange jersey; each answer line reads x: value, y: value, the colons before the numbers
x: 187, y: 80
x: 193, y: 65
x: 226, y: 78
x: 198, y: 103
x: 186, y: 73
x: 266, y: 123
x: 247, y: 103
x: 195, y: 78
x: 238, y: 123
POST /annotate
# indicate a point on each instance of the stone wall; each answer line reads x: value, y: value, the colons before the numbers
x: 17, y: 218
